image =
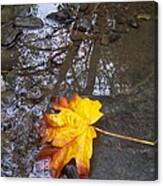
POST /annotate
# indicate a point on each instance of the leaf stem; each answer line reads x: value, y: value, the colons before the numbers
x: 128, y: 138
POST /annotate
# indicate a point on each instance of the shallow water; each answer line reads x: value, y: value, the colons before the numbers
x: 43, y: 58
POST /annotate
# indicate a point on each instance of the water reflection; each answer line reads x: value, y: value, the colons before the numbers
x: 44, y: 9
x: 37, y: 46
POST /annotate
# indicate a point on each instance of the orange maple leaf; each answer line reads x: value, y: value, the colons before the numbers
x: 70, y: 134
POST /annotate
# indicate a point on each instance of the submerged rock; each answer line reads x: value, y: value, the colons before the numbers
x: 61, y: 17
x: 11, y: 78
x: 46, y: 44
x: 8, y: 97
x: 34, y: 93
x: 9, y: 35
x: 29, y: 22
x: 8, y: 13
x: 8, y: 58
x: 22, y: 10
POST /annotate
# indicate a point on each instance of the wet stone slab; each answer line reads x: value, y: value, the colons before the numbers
x: 116, y: 162
x: 28, y: 22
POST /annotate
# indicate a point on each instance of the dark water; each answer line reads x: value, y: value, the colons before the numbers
x: 102, y: 51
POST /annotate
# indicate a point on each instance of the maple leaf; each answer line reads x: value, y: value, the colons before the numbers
x: 70, y: 134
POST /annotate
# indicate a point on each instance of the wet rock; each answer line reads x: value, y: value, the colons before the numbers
x: 21, y: 147
x: 29, y: 22
x: 46, y: 44
x: 34, y: 93
x: 70, y: 171
x: 11, y: 78
x: 10, y: 12
x: 133, y: 23
x: 144, y: 16
x: 30, y: 37
x: 8, y: 97
x: 61, y: 17
x: 130, y: 165
x: 22, y: 10
x: 8, y: 58
x: 9, y: 35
